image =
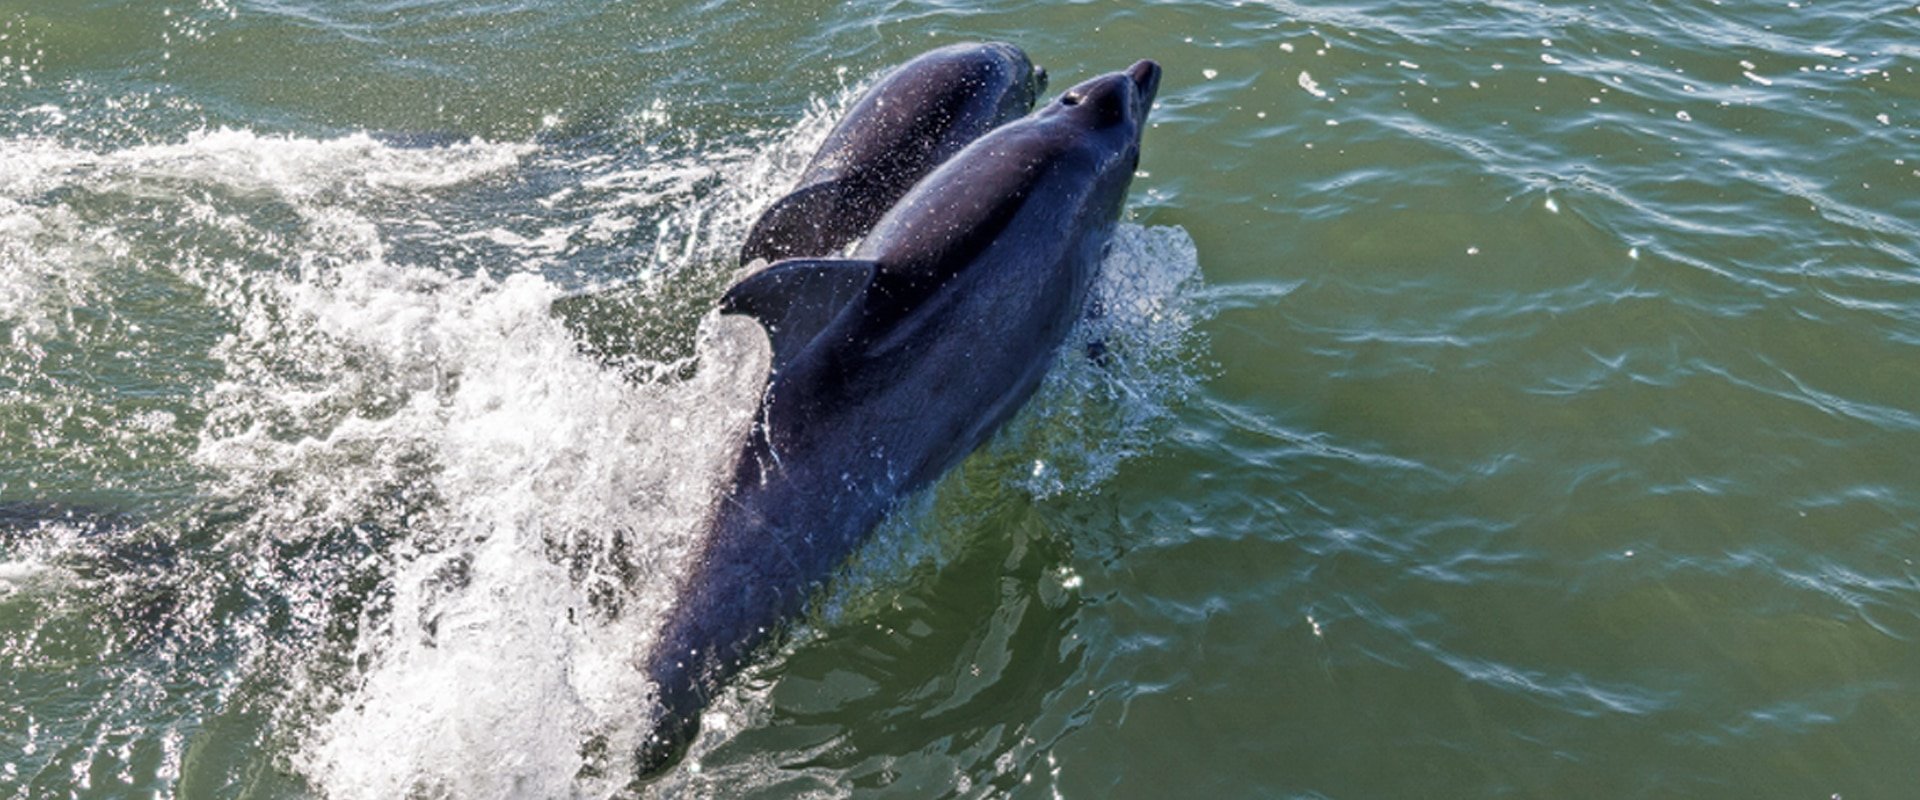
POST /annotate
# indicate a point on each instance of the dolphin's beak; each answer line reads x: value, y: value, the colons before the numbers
x: 1146, y: 82
x: 1039, y: 80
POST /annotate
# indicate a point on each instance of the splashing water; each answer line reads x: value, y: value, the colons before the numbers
x: 434, y: 532
x: 547, y: 501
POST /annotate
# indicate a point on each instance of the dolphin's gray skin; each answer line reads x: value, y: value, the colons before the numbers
x: 891, y: 366
x: 906, y: 125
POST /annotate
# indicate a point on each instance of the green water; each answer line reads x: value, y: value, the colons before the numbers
x: 1520, y: 400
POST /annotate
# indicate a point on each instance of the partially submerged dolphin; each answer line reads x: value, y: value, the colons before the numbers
x: 918, y: 116
x: 891, y: 366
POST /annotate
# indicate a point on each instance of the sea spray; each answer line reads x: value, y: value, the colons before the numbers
x: 541, y: 502
x: 572, y: 497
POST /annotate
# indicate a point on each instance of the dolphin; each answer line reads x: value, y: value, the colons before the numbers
x: 916, y: 117
x: 909, y: 122
x: 891, y: 366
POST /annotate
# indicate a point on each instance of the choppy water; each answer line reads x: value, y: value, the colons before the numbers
x: 1509, y: 399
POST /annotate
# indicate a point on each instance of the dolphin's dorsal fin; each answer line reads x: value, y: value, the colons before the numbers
x: 813, y: 221
x: 796, y: 299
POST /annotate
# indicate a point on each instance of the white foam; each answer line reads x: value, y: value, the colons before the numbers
x: 552, y: 478
x: 26, y: 573
x: 246, y: 161
x: 555, y: 478
x: 33, y: 564
x: 495, y: 681
x: 48, y: 256
x: 22, y: 274
x: 357, y: 384
x: 512, y: 633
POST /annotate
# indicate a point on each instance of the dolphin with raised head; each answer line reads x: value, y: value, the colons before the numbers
x: 918, y: 116
x: 890, y: 366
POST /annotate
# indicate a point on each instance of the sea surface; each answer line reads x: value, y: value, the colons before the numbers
x: 1504, y: 400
